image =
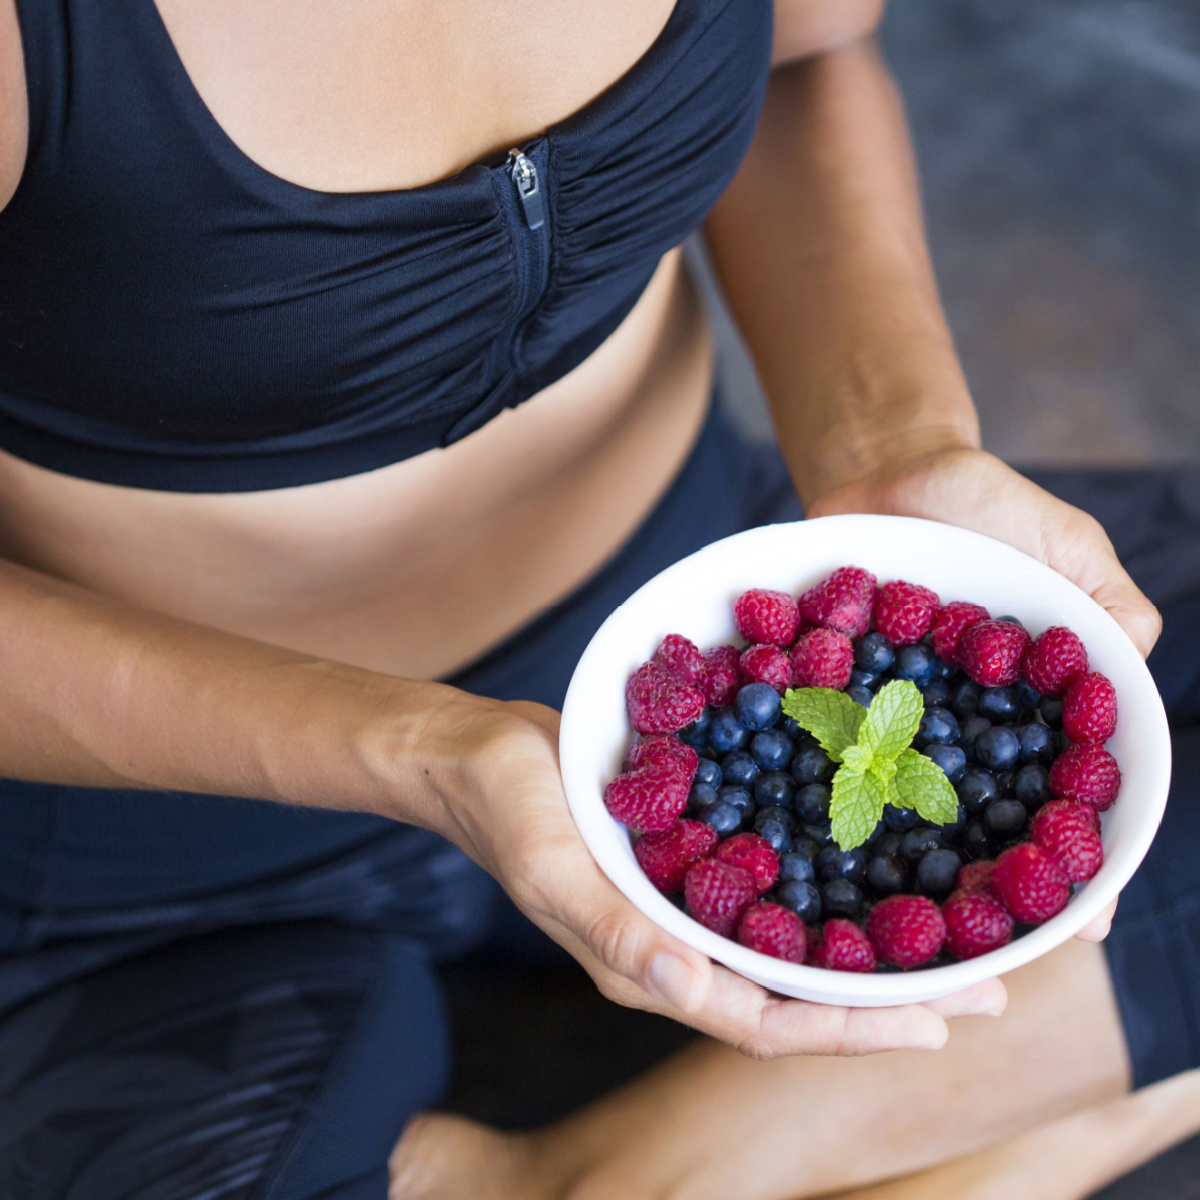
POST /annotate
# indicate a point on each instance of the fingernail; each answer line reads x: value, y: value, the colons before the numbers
x: 671, y: 979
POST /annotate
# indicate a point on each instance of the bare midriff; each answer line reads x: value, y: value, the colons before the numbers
x: 421, y: 566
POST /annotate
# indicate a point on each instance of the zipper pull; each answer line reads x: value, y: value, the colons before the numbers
x: 525, y: 179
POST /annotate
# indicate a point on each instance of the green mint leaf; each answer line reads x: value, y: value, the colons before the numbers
x: 921, y: 784
x: 856, y: 805
x: 856, y: 760
x: 891, y: 721
x: 831, y: 717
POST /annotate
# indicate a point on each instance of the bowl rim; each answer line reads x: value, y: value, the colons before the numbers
x: 592, y: 818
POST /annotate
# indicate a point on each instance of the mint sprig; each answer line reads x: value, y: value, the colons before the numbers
x: 878, y: 765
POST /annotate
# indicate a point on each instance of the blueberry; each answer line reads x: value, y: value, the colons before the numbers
x: 1004, y: 817
x: 841, y: 898
x: 952, y: 760
x: 781, y: 816
x: 953, y: 831
x: 874, y: 653
x: 969, y: 733
x: 899, y: 818
x: 771, y: 749
x: 916, y: 663
x: 1029, y: 785
x: 976, y: 790
x: 864, y: 679
x: 701, y: 796
x: 726, y: 732
x: 739, y: 769
x: 812, y: 765
x: 696, y: 734
x: 821, y: 832
x: 773, y: 788
x: 775, y: 834
x: 1037, y: 743
x: 812, y: 803
x: 999, y: 704
x: 757, y: 706
x: 1027, y: 694
x: 1005, y: 780
x: 1010, y: 620
x: 740, y: 799
x: 998, y: 748
x: 1051, y: 710
x: 887, y: 875
x: 708, y: 772
x: 943, y: 670
x: 965, y: 698
x: 834, y: 863
x: 937, y: 872
x: 789, y: 726
x: 888, y: 844
x: 918, y: 842
x: 937, y: 725
x: 795, y: 867
x: 802, y: 898
x: 975, y: 842
x: 724, y: 818
x: 861, y: 695
x: 806, y: 847
x: 876, y: 833
x: 936, y: 694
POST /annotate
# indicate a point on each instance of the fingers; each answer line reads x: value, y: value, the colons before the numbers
x: 1096, y: 930
x: 986, y: 999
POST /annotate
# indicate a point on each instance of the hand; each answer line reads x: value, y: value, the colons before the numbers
x: 974, y: 489
x: 511, y: 815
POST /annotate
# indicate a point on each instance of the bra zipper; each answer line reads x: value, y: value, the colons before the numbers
x: 526, y: 171
x: 524, y: 174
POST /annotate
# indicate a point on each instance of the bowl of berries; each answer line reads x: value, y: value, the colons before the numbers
x: 865, y: 760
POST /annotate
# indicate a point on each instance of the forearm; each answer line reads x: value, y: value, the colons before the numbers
x: 99, y: 693
x: 820, y: 246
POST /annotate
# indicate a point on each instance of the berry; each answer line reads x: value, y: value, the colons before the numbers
x: 970, y: 730
x: 887, y: 875
x: 739, y: 770
x: 874, y: 653
x: 1030, y: 883
x: 683, y: 657
x: 1004, y: 818
x: 754, y: 853
x: 1027, y: 694
x: 991, y: 652
x: 1077, y: 811
x: 801, y: 897
x: 936, y: 694
x: 998, y: 748
x: 843, y: 947
x: 1055, y: 660
x: 975, y: 842
x: 726, y: 732
x: 812, y: 765
x: 835, y: 863
x: 773, y: 812
x: 860, y: 695
x: 721, y: 817
x: 950, y: 622
x: 1031, y: 785
x: 796, y: 868
x: 756, y: 705
x: 707, y: 771
x: 917, y: 843
x: 976, y: 876
x: 664, y: 753
x: 976, y: 922
x: 773, y: 930
x: 1065, y: 833
x: 769, y: 665
x: 722, y: 675
x: 976, y: 790
x: 999, y: 704
x: 665, y: 857
x: 952, y: 760
x: 774, y: 789
x: 842, y: 601
x: 771, y: 749
x: 823, y: 658
x: 937, y: 872
x: 952, y: 831
x: 1086, y: 772
x: 1090, y: 709
x: 812, y: 803
x: 841, y: 898
x: 774, y: 833
x: 766, y: 617
x: 647, y: 800
x: 904, y: 611
x: 658, y: 701
x: 964, y: 699
x: 937, y: 725
x: 1037, y: 743
x: 906, y: 931
x: 1051, y: 711
x: 701, y: 796
x: 916, y: 663
x: 696, y: 734
x: 740, y: 799
x: 901, y: 819
x: 717, y: 894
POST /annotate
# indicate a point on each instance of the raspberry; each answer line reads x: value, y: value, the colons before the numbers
x: 843, y: 947
x: 683, y: 657
x: 1056, y: 658
x: 976, y: 922
x: 766, y: 617
x: 1086, y: 772
x: 767, y: 664
x: 823, y: 658
x: 664, y: 753
x: 665, y: 857
x: 991, y: 652
x: 722, y: 675
x: 1090, y: 709
x: 659, y: 701
x: 717, y: 893
x: 1030, y: 884
x: 754, y: 853
x: 904, y: 611
x: 841, y: 601
x: 648, y: 799
x: 975, y: 876
x: 1061, y: 829
x: 774, y: 930
x: 906, y: 931
x: 950, y: 622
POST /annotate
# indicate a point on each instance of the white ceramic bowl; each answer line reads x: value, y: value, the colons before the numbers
x: 695, y: 597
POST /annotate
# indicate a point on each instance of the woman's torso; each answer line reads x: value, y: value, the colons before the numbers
x: 421, y: 565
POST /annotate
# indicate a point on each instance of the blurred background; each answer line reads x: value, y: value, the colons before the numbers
x: 1059, y: 144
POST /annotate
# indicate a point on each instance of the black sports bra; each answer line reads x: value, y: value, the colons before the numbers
x: 173, y: 316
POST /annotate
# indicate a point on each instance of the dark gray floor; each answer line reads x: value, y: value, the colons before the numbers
x: 1060, y: 147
